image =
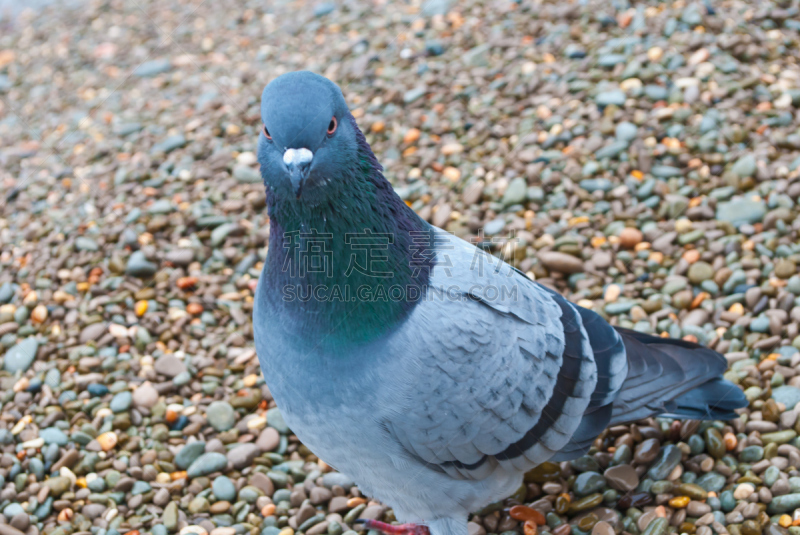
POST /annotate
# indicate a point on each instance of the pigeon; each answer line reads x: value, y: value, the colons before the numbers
x: 431, y: 373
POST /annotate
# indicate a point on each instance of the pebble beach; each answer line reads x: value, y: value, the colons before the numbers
x: 641, y: 158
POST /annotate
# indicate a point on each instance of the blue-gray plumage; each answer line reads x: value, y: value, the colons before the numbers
x: 438, y: 397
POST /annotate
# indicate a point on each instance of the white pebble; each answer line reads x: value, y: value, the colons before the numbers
x: 743, y: 491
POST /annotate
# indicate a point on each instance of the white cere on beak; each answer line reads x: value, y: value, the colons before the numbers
x: 297, y: 156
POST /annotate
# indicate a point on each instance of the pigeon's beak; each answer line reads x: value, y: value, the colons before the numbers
x: 298, y: 162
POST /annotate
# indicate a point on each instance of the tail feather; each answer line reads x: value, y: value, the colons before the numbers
x: 674, y: 378
x: 715, y: 400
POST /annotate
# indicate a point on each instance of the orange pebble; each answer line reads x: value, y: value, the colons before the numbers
x: 698, y: 299
x: 194, y: 308
x: 171, y: 416
x: 730, y: 441
x: 529, y: 528
x: 133, y: 532
x: 185, y: 283
x: 355, y: 502
x: 630, y: 237
x: 268, y: 510
x: 411, y: 135
x: 527, y: 514
x: 178, y: 475
x: 140, y: 308
x: 679, y: 502
x: 691, y: 256
x: 107, y: 440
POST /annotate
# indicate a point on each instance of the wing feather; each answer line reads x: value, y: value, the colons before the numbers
x: 508, y: 368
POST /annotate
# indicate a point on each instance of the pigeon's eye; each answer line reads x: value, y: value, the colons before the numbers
x: 332, y: 126
x: 266, y: 132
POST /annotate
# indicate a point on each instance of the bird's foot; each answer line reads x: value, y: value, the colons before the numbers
x: 395, y: 529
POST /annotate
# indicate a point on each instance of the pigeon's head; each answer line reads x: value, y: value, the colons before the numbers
x: 308, y: 146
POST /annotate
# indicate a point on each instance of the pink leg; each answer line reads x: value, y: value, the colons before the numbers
x: 392, y: 529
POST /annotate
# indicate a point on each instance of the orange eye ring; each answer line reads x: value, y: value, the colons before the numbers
x: 266, y: 132
x: 332, y: 126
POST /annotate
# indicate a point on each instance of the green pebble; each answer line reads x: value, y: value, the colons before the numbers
x: 693, y: 491
x: 752, y: 454
x: 771, y: 475
x: 779, y: 437
x: 313, y: 521
x: 727, y: 501
x: 585, y: 503
x: 657, y: 526
x: 784, y: 504
x: 354, y: 513
x: 588, y: 483
x: 714, y: 443
x: 662, y: 487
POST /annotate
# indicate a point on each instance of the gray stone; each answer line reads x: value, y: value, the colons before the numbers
x: 668, y: 459
x: 139, y: 267
x: 269, y: 439
x: 477, y: 56
x: 246, y: 174
x: 611, y: 60
x: 189, y: 453
x: 169, y: 144
x: 788, y: 395
x: 332, y: 479
x: 20, y: 357
x: 515, y: 192
x: 6, y: 292
x: 745, y: 166
x: 415, y: 94
x: 206, y: 464
x: 180, y: 257
x: 626, y: 131
x: 741, y: 211
x: 243, y: 455
x: 54, y: 435
x: 221, y: 415
x: 607, y: 98
x: 121, y: 402
x: 276, y: 421
x: 219, y: 234
x: 224, y: 489
x: 151, y: 68
x: 435, y: 7
x: 84, y: 243
x: 145, y: 396
x: 169, y: 365
x: 324, y: 8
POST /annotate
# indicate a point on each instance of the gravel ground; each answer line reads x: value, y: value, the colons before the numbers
x: 643, y: 159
